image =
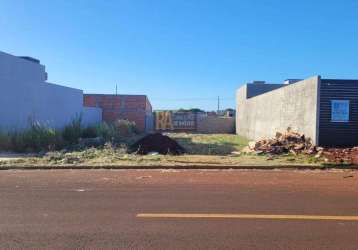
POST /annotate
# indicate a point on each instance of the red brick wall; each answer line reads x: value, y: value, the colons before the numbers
x: 131, y: 107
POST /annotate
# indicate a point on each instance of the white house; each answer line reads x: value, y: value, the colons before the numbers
x: 26, y: 96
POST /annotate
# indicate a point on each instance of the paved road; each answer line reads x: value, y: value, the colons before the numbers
x: 97, y: 209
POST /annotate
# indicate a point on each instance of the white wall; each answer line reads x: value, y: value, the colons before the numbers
x: 26, y: 96
x: 293, y: 106
x: 13, y: 67
x: 91, y: 115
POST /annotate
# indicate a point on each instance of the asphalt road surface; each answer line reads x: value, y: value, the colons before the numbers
x: 104, y: 209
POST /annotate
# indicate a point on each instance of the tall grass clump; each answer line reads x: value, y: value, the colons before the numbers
x: 107, y: 131
x: 38, y: 137
x: 117, y: 131
x: 5, y: 141
x: 71, y: 133
x: 126, y: 128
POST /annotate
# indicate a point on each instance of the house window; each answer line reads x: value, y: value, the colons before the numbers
x: 339, y: 110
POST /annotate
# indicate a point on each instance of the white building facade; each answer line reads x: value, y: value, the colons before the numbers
x: 26, y: 96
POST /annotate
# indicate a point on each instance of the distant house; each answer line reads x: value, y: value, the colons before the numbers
x: 229, y: 112
x: 136, y: 108
x: 26, y: 96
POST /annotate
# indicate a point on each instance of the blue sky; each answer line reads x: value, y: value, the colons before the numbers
x: 182, y: 53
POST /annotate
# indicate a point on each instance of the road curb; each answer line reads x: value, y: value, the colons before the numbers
x: 183, y: 167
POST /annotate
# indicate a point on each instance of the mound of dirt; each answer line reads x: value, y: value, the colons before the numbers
x: 159, y: 143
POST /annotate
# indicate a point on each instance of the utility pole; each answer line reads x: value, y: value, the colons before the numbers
x: 218, y: 104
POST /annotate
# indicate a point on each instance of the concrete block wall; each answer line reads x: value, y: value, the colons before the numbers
x: 134, y: 108
x: 294, y: 105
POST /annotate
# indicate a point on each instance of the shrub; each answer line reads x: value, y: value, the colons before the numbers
x: 125, y: 127
x: 72, y: 132
x: 107, y: 131
x: 39, y: 137
x: 115, y: 132
x: 5, y: 141
x: 33, y: 139
x: 89, y: 132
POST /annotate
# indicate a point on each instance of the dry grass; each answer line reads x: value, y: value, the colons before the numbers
x: 202, y: 150
x: 210, y: 144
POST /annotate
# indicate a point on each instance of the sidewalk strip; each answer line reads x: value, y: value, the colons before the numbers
x: 246, y: 216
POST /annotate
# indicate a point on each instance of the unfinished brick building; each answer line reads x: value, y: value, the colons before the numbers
x: 136, y: 108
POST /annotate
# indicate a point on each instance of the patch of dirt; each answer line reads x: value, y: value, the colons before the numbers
x: 158, y: 143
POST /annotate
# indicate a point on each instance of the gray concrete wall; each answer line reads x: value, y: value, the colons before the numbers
x: 25, y: 96
x: 294, y: 105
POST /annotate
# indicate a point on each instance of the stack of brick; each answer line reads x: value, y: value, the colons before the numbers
x: 135, y: 108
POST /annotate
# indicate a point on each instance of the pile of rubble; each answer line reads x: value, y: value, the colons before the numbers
x: 288, y: 142
x: 342, y: 155
x: 295, y: 143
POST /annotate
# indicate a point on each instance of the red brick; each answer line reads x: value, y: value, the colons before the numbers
x: 112, y: 107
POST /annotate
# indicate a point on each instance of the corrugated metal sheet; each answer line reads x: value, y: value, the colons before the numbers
x: 338, y: 133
